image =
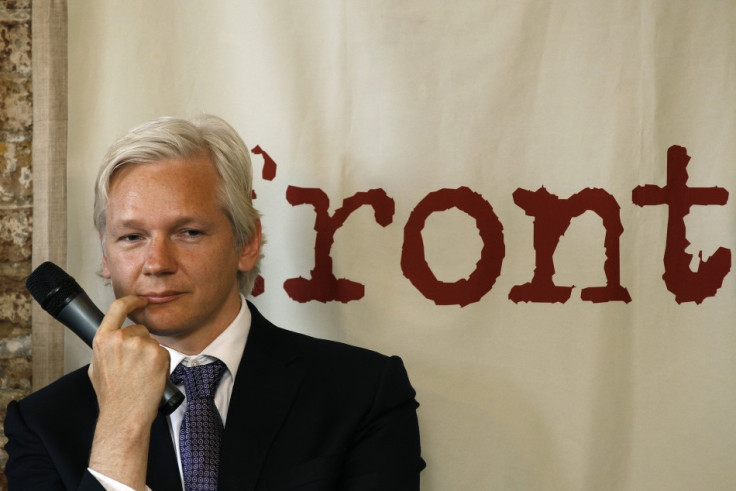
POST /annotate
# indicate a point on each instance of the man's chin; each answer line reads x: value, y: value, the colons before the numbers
x: 162, y: 326
x: 164, y: 331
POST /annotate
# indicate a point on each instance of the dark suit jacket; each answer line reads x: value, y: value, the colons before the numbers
x: 304, y: 413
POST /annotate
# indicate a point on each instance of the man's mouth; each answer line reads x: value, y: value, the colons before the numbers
x: 161, y: 297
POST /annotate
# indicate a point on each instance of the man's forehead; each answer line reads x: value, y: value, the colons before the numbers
x: 163, y: 165
x: 172, y: 187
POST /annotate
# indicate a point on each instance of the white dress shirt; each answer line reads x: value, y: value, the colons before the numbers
x: 227, y: 347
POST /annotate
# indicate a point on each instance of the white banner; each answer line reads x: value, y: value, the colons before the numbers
x: 530, y: 202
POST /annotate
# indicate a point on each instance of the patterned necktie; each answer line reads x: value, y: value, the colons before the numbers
x: 201, y: 426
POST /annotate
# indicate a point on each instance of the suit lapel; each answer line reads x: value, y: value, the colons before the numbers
x: 163, y: 469
x: 265, y: 386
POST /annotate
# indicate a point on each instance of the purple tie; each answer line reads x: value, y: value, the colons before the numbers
x: 201, y: 426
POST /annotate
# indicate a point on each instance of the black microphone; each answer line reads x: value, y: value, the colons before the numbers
x: 62, y: 297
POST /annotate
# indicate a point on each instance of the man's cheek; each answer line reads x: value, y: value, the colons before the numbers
x: 118, y: 287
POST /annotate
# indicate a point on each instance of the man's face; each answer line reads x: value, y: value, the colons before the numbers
x: 168, y: 240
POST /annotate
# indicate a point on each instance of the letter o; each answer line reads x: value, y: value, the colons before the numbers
x: 414, y: 263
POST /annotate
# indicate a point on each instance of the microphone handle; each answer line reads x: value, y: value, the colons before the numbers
x: 83, y: 317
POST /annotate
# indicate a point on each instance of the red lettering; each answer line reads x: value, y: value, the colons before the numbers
x: 259, y: 286
x: 414, y: 263
x: 268, y: 173
x: 552, y: 217
x: 687, y: 285
x: 269, y: 166
x: 322, y: 285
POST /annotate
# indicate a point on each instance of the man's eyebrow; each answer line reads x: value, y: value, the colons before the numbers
x: 129, y: 223
x: 179, y: 222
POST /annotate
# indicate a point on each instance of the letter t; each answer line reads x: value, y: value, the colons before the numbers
x: 687, y: 285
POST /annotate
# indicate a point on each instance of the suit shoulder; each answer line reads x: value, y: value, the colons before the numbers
x: 322, y: 350
x: 72, y: 389
x: 281, y: 340
x: 342, y: 367
x: 357, y: 377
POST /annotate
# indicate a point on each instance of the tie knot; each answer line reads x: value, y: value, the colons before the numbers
x: 199, y: 381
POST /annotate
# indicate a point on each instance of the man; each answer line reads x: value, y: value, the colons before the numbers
x: 181, y: 246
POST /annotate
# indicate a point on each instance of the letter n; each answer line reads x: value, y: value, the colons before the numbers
x: 552, y: 217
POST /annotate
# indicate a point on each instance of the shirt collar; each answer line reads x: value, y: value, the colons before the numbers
x: 227, y: 347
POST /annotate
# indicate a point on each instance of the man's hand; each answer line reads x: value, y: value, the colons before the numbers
x: 129, y: 371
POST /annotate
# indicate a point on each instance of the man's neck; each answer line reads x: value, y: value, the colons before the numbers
x: 193, y: 343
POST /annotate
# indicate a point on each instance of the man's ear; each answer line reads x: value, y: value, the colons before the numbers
x: 251, y: 251
x: 105, y: 270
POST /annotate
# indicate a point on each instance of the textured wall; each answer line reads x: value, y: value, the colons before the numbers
x: 16, y: 123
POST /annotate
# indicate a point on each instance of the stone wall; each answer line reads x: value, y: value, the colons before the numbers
x: 16, y: 125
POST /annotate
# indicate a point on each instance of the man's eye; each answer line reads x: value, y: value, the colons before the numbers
x: 129, y: 238
x: 192, y: 233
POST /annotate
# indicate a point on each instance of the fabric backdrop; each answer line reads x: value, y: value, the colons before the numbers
x: 49, y: 172
x: 529, y: 201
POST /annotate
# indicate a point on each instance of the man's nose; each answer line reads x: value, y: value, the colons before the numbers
x: 160, y: 258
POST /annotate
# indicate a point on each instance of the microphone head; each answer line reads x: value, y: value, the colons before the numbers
x: 52, y: 287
